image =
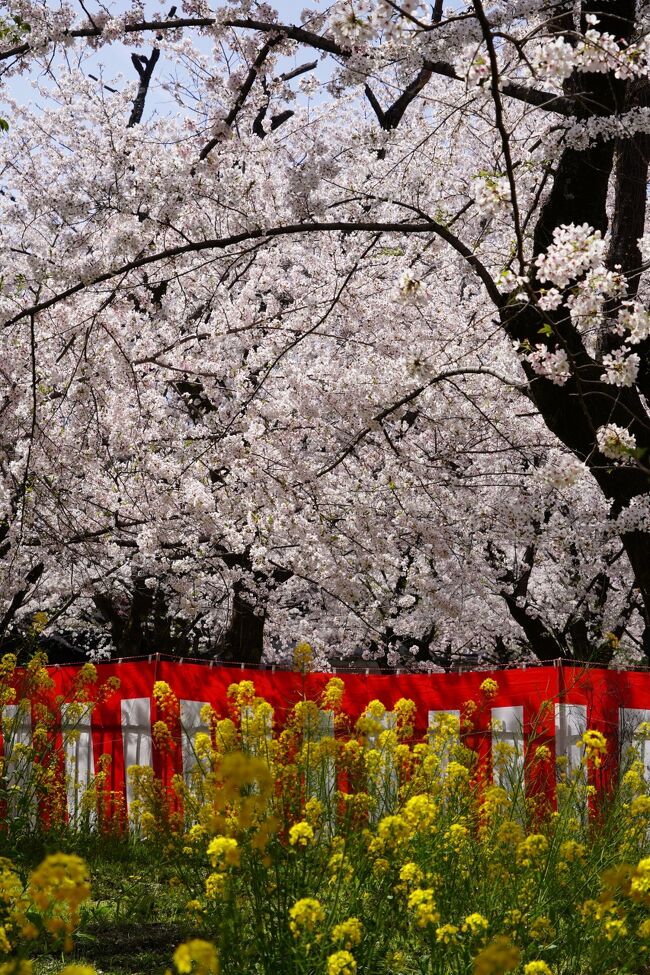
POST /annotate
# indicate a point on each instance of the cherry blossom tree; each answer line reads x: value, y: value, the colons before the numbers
x: 331, y: 328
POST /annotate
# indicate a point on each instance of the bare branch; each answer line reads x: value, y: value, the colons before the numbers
x: 301, y: 69
x: 144, y: 66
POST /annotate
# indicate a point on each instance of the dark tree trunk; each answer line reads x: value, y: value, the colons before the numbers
x: 243, y: 640
x: 575, y: 411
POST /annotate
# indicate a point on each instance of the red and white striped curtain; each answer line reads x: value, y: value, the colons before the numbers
x: 542, y: 705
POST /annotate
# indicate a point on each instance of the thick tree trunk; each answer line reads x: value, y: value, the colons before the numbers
x: 575, y: 411
x: 243, y: 641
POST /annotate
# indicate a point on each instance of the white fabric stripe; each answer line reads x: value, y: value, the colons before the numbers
x: 629, y: 721
x: 321, y: 781
x: 191, y: 726
x: 17, y: 731
x: 386, y: 788
x: 508, y: 729
x: 79, y: 760
x: 136, y: 737
x: 570, y: 726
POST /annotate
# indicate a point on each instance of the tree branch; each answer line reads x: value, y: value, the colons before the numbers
x: 221, y: 243
x: 249, y: 81
x: 407, y: 398
x: 144, y: 66
x: 545, y: 100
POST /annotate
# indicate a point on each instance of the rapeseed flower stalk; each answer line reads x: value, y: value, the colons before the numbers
x: 301, y: 835
x: 57, y: 888
x: 332, y: 696
x: 165, y: 699
x: 38, y: 726
x: 303, y: 658
x: 302, y: 850
x: 404, y: 806
x: 223, y: 851
x: 489, y: 688
x: 422, y: 904
x: 447, y: 934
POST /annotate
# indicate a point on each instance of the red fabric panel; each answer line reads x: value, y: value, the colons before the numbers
x: 536, y: 690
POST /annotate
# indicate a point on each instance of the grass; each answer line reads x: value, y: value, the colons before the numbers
x: 136, y: 916
x: 120, y: 949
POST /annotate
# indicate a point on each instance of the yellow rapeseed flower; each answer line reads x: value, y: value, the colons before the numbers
x: 341, y: 963
x: 410, y: 875
x: 640, y: 883
x: 381, y: 866
x: 349, y: 932
x: 164, y: 696
x: 396, y: 961
x: 196, y: 957
x: 476, y: 924
x: 215, y: 886
x: 457, y: 773
x: 496, y: 958
x: 537, y: 968
x: 421, y: 813
x: 422, y: 904
x: 495, y: 800
x: 305, y: 915
x: 161, y: 735
x: 314, y: 811
x: 18, y: 966
x: 614, y: 928
x: 376, y: 710
x: 301, y: 834
x: 393, y: 830
x: 595, y: 746
x: 489, y: 688
x: 644, y: 930
x: 640, y: 806
x: 303, y: 658
x: 223, y: 851
x: 447, y: 934
x: 332, y: 696
x: 242, y: 694
x: 542, y: 930
x: 531, y: 850
x: 405, y: 711
x: 87, y: 674
x: 339, y: 868
x: 510, y: 833
x: 572, y: 851
x: 60, y: 885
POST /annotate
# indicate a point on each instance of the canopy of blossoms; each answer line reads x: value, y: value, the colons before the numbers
x: 328, y: 327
